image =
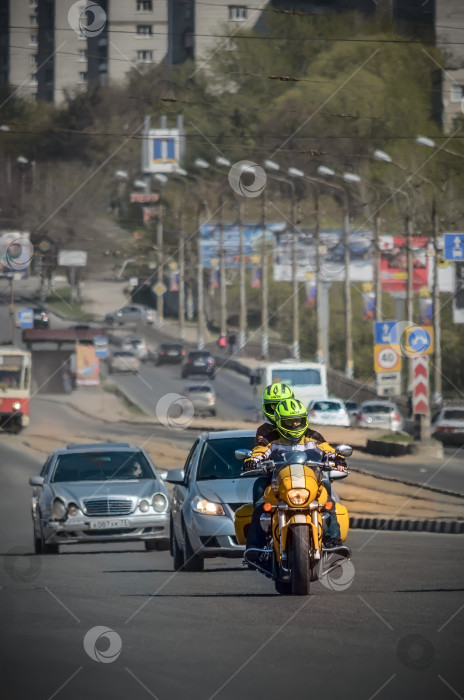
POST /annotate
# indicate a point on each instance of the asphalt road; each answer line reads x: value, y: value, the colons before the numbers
x: 394, y: 633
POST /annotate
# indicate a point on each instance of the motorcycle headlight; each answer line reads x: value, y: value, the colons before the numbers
x: 59, y: 510
x: 144, y: 506
x: 205, y: 507
x: 298, y: 496
x: 159, y: 502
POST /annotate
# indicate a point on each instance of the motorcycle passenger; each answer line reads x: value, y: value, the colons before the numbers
x: 291, y: 419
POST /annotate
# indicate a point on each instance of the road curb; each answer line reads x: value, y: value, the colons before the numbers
x: 448, y: 527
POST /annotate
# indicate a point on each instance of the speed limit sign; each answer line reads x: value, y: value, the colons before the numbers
x: 387, y: 358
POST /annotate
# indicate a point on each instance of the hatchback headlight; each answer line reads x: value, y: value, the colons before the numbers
x: 298, y: 496
x: 59, y: 510
x: 159, y: 502
x: 205, y: 507
x: 144, y: 506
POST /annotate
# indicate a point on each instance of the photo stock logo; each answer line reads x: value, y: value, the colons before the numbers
x: 113, y: 644
x: 415, y: 652
x: 175, y: 411
x: 87, y: 18
x: 16, y: 252
x: 247, y: 179
x: 340, y: 577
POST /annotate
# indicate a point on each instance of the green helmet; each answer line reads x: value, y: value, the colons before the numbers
x: 291, y: 417
x: 272, y: 395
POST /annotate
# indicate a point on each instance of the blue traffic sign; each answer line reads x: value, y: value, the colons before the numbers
x: 385, y: 332
x: 418, y: 341
x: 100, y: 344
x: 26, y: 318
x: 453, y: 246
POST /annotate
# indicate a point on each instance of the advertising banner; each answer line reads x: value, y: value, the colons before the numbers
x: 393, y: 264
x: 253, y: 237
x: 87, y: 366
x: 332, y: 252
x: 368, y: 302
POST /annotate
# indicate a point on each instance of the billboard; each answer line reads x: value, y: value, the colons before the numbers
x: 332, y: 255
x: 253, y: 239
x: 162, y: 150
x: 87, y: 366
x: 393, y: 263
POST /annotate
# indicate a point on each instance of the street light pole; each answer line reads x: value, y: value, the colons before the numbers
x: 200, y: 292
x: 295, y: 300
x: 347, y: 289
x: 222, y: 271
x: 181, y: 310
x: 437, y: 386
x: 242, y: 290
x: 264, y: 284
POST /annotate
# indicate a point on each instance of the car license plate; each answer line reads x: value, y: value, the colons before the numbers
x: 173, y: 353
x: 108, y: 524
x: 199, y: 363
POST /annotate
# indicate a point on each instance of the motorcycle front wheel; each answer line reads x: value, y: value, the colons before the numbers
x: 299, y: 560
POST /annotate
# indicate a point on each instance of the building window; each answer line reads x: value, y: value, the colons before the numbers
x: 145, y: 56
x: 82, y: 76
x: 144, y: 30
x: 33, y: 3
x: 82, y: 55
x: 33, y: 59
x: 238, y: 13
x: 144, y: 6
x: 33, y: 20
x: 457, y: 92
x: 33, y: 40
x: 33, y: 79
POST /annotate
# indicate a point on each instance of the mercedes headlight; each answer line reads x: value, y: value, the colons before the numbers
x: 59, y: 510
x: 159, y: 502
x: 73, y: 509
x: 144, y: 506
x: 298, y: 496
x: 205, y: 507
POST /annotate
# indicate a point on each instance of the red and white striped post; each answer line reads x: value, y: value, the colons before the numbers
x: 420, y: 396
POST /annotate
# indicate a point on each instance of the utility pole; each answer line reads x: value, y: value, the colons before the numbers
x: 181, y: 276
x: 160, y: 275
x: 317, y: 237
x: 200, y: 292
x: 347, y: 289
x: 242, y: 281
x: 264, y: 284
x: 295, y: 300
x: 436, y: 307
x: 12, y: 308
x: 409, y: 289
x: 378, y: 256
x: 222, y: 272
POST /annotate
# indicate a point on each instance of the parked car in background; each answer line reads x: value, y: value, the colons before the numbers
x: 135, y: 313
x: 169, y: 352
x: 380, y: 414
x: 202, y: 397
x: 207, y: 492
x: 328, y: 412
x: 198, y: 362
x: 107, y: 492
x: 448, y: 425
x: 40, y: 317
x: 352, y: 408
x: 137, y: 346
x: 122, y: 361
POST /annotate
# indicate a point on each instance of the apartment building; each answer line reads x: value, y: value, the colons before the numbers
x: 23, y: 45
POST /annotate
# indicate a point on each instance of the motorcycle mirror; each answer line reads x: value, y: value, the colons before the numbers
x: 335, y: 474
x: 242, y: 454
x: 344, y: 450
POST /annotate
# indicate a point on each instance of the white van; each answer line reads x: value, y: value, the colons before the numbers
x: 308, y: 380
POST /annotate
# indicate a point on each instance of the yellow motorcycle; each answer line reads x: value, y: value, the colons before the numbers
x: 296, y: 502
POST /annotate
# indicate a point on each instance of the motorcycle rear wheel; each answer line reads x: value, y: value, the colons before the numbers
x: 299, y: 559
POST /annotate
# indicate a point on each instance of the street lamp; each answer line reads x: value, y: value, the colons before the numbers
x: 323, y: 170
x: 272, y: 165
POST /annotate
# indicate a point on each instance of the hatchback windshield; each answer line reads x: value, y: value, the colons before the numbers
x: 327, y: 406
x: 377, y: 408
x: 101, y: 466
x: 454, y: 415
x: 218, y: 460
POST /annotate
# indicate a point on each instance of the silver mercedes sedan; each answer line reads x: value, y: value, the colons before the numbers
x: 104, y: 492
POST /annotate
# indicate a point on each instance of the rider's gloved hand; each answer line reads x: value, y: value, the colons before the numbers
x: 252, y: 463
x: 340, y: 463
